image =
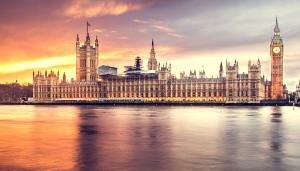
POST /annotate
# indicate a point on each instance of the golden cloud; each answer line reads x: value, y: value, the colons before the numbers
x: 36, y: 64
x: 88, y: 8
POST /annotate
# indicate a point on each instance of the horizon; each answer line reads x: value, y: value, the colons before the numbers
x: 187, y: 40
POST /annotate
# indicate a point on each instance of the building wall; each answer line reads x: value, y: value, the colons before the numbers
x: 244, y: 87
x: 159, y: 86
x: 86, y: 60
x: 49, y: 88
x: 172, y: 89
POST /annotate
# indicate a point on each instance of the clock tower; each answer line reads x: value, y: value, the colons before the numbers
x: 276, y: 52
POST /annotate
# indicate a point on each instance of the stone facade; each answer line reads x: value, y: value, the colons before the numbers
x: 276, y: 52
x: 48, y: 87
x: 157, y: 83
x: 86, y: 59
x: 163, y: 86
x: 244, y: 87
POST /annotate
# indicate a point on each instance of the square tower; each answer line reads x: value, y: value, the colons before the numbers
x: 276, y: 52
x: 86, y: 59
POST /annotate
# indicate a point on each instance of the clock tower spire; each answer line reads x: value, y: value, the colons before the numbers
x: 276, y: 52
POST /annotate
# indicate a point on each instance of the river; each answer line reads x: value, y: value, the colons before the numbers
x: 149, y: 138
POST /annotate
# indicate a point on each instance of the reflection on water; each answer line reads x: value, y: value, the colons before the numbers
x: 277, y: 137
x: 89, y: 135
x: 149, y: 138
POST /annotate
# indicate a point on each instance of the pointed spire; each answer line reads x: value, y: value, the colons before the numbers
x: 152, y: 43
x: 96, y: 42
x: 152, y: 51
x: 87, y: 33
x: 276, y: 29
x: 87, y: 27
x: 64, y: 78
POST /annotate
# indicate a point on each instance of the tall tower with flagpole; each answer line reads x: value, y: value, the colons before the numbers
x: 86, y: 58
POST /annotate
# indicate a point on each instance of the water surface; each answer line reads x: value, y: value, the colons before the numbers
x: 149, y: 138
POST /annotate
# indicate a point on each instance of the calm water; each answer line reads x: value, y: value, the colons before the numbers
x: 149, y: 138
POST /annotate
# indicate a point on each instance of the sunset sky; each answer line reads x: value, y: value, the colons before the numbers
x: 191, y: 34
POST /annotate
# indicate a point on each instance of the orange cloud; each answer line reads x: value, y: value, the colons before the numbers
x: 25, y: 76
x: 36, y: 64
x: 88, y: 8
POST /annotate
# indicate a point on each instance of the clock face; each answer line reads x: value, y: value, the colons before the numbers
x: 276, y: 49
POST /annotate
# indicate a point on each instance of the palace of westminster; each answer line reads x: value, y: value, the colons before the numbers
x: 95, y: 83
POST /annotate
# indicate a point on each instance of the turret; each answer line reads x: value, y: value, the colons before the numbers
x: 232, y: 70
x: 96, y: 42
x: 159, y: 66
x: 202, y: 74
x: 87, y: 41
x: 221, y: 71
x: 77, y: 40
x: 152, y: 52
x: 64, y: 78
x: 182, y: 75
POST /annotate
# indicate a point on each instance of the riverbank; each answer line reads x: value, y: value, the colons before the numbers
x: 157, y: 103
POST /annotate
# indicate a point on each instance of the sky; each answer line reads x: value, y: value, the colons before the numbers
x: 190, y: 34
